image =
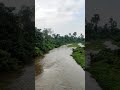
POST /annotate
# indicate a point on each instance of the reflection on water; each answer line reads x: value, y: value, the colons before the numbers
x: 25, y: 81
x: 7, y: 77
x: 60, y: 72
x: 38, y: 66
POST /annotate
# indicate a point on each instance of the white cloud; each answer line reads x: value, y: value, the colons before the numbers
x: 60, y: 13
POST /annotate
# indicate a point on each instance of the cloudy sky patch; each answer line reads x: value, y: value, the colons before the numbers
x: 62, y: 16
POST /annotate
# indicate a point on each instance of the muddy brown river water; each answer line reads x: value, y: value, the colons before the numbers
x: 60, y: 72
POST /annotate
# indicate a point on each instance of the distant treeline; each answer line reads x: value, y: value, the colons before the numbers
x: 21, y: 42
x: 46, y: 40
x: 94, y: 31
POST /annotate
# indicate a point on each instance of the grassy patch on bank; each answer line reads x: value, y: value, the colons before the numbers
x: 79, y: 56
x: 73, y: 45
x: 95, y: 45
x: 105, y: 68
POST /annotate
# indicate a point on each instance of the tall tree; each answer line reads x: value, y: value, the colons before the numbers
x: 75, y: 34
x: 113, y: 24
x: 95, y: 19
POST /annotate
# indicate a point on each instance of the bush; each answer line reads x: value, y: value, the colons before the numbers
x: 79, y: 56
x: 7, y: 62
x: 38, y: 52
x: 105, y: 69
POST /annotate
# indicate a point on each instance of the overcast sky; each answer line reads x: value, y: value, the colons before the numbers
x: 62, y: 16
x: 106, y: 9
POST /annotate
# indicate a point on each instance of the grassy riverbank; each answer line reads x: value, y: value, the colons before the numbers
x: 95, y: 45
x: 78, y: 54
x: 73, y: 45
x: 105, y: 67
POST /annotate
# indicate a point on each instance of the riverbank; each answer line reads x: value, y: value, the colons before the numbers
x: 104, y: 66
x: 79, y: 56
x: 78, y: 53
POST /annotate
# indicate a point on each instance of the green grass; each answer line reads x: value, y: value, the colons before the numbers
x: 79, y: 56
x: 107, y: 77
x: 73, y: 45
x: 105, y: 68
x: 95, y: 45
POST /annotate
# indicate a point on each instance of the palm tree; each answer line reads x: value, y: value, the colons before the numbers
x: 113, y: 24
x: 74, y: 34
x: 95, y: 19
x: 69, y: 34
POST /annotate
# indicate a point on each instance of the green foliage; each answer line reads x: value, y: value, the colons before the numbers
x: 96, y: 32
x: 16, y: 37
x: 105, y: 69
x: 20, y: 41
x: 45, y: 41
x: 95, y: 45
x: 105, y: 65
x: 38, y: 52
x: 79, y: 55
x: 73, y: 45
x: 7, y: 62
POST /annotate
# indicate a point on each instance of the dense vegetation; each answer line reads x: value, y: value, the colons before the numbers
x: 21, y: 42
x: 79, y: 56
x: 94, y: 31
x: 46, y: 40
x: 105, y: 65
x: 16, y: 37
x: 73, y: 45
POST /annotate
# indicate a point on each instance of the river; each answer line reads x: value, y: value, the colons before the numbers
x: 60, y: 72
x: 24, y: 82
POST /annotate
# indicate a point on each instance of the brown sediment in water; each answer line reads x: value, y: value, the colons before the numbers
x: 38, y: 69
x: 60, y: 71
x: 38, y: 65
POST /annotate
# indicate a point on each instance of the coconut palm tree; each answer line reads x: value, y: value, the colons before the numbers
x: 95, y: 19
